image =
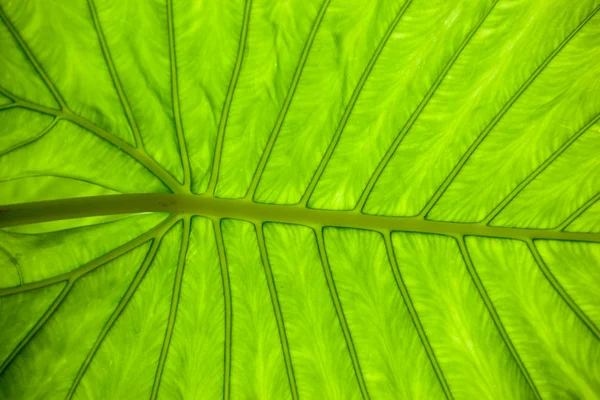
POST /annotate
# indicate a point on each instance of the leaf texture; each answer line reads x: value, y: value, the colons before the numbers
x: 299, y: 199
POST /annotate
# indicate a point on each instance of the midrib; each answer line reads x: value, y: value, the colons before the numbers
x: 44, y: 211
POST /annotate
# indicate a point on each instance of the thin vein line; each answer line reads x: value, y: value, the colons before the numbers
x: 357, y: 90
x: 414, y: 316
x: 465, y: 157
x: 340, y: 314
x: 277, y: 310
x: 578, y: 212
x: 8, y: 106
x: 92, y: 265
x: 141, y: 157
x: 538, y: 171
x: 410, y: 122
x: 494, y: 314
x: 227, y: 306
x: 33, y: 139
x: 185, y: 160
x: 114, y: 75
x: 174, y: 304
x: 41, y: 322
x: 14, y: 261
x: 287, y: 102
x: 38, y: 67
x: 116, y: 313
x: 24, y: 176
x: 560, y: 290
x: 214, y: 174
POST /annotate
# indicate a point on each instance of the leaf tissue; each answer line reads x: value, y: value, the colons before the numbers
x: 315, y: 199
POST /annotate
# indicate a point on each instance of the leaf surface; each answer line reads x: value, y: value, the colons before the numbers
x: 299, y: 199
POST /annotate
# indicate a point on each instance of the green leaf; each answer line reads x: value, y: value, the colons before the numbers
x: 300, y: 199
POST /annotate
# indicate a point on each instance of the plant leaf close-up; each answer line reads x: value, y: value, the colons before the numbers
x: 316, y: 199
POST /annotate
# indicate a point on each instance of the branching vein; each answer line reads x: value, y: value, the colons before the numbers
x: 141, y: 157
x: 410, y: 122
x: 287, y: 102
x: 414, y: 316
x: 174, y: 304
x: 29, y: 54
x: 214, y: 174
x: 579, y: 211
x: 357, y: 90
x: 185, y: 160
x: 277, y: 310
x: 116, y: 313
x: 560, y: 290
x: 42, y: 321
x: 114, y: 75
x: 494, y: 314
x: 538, y: 171
x: 228, y: 310
x: 340, y: 314
x: 465, y: 157
x: 92, y: 265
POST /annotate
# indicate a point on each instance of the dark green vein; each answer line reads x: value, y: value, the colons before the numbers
x: 340, y: 313
x: 174, y: 304
x: 411, y: 121
x: 14, y: 262
x: 560, y: 290
x: 465, y: 157
x: 32, y: 139
x: 141, y: 157
x: 227, y: 310
x: 114, y: 75
x: 287, y: 102
x: 494, y: 314
x: 29, y: 54
x: 116, y: 313
x: 277, y: 310
x: 42, y: 321
x: 413, y: 314
x: 538, y: 171
x: 185, y: 160
x: 357, y: 90
x: 578, y: 212
x: 214, y: 173
x: 92, y: 265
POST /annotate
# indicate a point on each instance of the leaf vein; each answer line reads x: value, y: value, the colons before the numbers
x: 340, y: 314
x: 277, y: 310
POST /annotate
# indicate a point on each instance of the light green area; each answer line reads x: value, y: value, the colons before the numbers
x: 194, y: 366
x: 20, y: 312
x: 257, y: 365
x: 322, y: 365
x: 48, y: 364
x: 235, y: 133
x: 382, y: 330
x: 560, y: 352
x: 475, y: 360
